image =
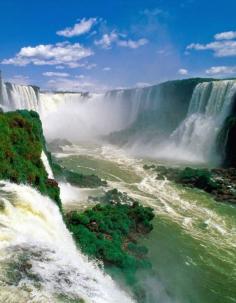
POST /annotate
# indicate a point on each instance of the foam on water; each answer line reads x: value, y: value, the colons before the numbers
x: 196, y: 217
x: 38, y: 258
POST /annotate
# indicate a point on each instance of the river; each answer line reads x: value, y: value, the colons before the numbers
x: 193, y: 244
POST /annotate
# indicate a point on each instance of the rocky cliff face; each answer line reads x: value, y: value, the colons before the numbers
x: 161, y: 109
x: 227, y: 142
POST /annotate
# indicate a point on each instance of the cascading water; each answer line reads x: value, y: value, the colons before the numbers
x: 3, y: 93
x: 129, y: 103
x: 195, y: 138
x: 15, y: 96
x: 94, y: 115
x: 52, y: 101
x: 47, y: 165
x: 39, y: 262
x: 90, y: 116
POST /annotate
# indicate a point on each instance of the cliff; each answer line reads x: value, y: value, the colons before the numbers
x: 21, y: 146
x: 165, y: 108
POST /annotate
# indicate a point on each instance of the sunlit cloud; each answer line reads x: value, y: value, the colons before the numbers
x: 223, y: 46
x: 221, y: 70
x: 225, y: 35
x: 119, y: 39
x: 84, y: 26
x: 55, y: 74
x: 183, y: 71
x: 60, y: 54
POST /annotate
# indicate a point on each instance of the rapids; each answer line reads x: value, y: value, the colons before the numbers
x: 38, y: 259
x: 193, y: 244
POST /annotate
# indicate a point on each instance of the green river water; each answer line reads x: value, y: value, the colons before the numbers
x: 193, y: 245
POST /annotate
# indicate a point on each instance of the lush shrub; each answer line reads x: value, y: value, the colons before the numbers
x: 108, y: 233
x: 114, y: 196
x: 200, y: 178
x: 21, y: 145
x: 77, y: 179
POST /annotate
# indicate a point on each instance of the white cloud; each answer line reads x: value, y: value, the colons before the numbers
x: 183, y: 71
x: 62, y: 54
x: 221, y: 70
x: 76, y: 84
x: 91, y: 66
x: 108, y: 39
x: 59, y: 67
x: 224, y: 45
x: 106, y: 69
x: 155, y: 12
x: 84, y: 26
x: 142, y: 84
x: 225, y: 35
x: 224, y: 48
x: 80, y: 76
x: 131, y: 43
x: 19, y: 79
x: 55, y: 74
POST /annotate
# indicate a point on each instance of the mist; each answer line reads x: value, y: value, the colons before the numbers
x: 80, y: 118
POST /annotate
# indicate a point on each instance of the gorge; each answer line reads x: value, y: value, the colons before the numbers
x: 115, y: 135
x: 185, y: 116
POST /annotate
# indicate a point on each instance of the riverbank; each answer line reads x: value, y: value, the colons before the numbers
x: 219, y: 182
x: 192, y: 245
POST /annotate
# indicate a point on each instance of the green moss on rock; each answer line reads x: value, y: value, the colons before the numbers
x: 108, y: 233
x: 21, y: 146
x: 77, y: 179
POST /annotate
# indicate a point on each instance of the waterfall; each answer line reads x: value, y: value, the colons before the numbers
x: 47, y: 166
x: 50, y: 102
x: 3, y: 93
x: 129, y: 103
x: 195, y: 138
x: 15, y: 96
x: 190, y: 112
x: 39, y: 261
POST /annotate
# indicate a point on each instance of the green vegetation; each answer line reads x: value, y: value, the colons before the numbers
x: 192, y: 177
x: 108, y: 232
x: 74, y: 178
x: 21, y: 145
x: 220, y: 182
x: 200, y: 178
x: 114, y: 196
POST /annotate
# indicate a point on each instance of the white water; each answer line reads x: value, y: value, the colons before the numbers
x: 47, y: 165
x: 19, y: 97
x: 195, y: 138
x: 93, y: 114
x: 190, y: 212
x: 38, y: 258
x: 87, y: 117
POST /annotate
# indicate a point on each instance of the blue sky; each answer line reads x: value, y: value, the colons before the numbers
x: 99, y: 45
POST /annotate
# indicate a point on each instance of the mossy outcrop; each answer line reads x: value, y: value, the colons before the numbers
x: 108, y: 232
x: 77, y: 179
x: 219, y: 182
x: 21, y: 145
